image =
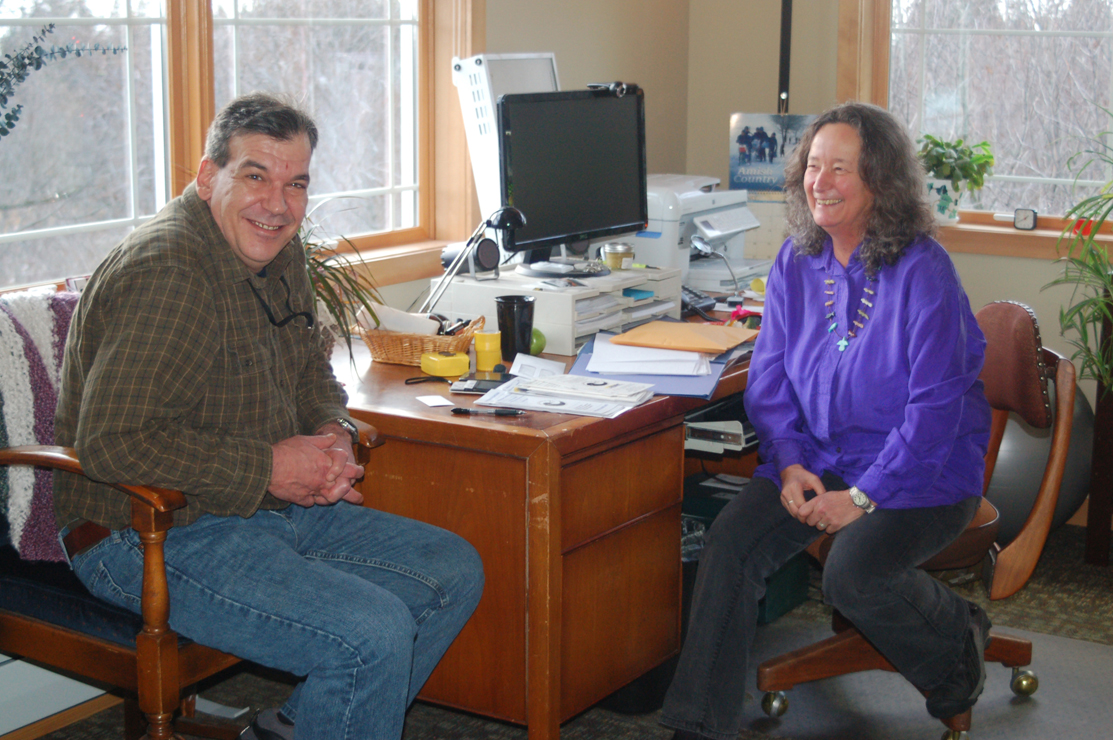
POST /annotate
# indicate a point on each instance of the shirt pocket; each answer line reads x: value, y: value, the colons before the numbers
x: 240, y: 390
x: 247, y: 359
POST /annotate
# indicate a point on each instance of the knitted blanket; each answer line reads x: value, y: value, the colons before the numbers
x: 33, y: 326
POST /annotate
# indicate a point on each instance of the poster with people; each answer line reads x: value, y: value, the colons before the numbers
x: 759, y: 145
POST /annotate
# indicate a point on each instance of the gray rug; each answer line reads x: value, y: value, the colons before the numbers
x: 1073, y: 698
x: 1064, y: 597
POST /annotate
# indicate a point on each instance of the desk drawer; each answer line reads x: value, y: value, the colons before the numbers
x: 606, y: 491
x: 620, y: 609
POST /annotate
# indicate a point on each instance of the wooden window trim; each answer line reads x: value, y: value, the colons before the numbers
x: 863, y: 74
x: 448, y: 211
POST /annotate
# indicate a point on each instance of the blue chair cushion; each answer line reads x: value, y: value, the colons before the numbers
x: 51, y: 593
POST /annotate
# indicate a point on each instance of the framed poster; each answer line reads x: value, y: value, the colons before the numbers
x: 759, y: 145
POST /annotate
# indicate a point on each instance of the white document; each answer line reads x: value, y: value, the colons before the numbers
x: 508, y: 395
x: 629, y: 360
x: 528, y: 366
x: 435, y: 401
x: 578, y: 386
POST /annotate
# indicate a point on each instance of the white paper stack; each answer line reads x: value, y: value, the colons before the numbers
x: 599, y: 389
x: 569, y: 394
x: 629, y: 360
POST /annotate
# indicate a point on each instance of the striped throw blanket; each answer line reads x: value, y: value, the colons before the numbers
x: 33, y: 326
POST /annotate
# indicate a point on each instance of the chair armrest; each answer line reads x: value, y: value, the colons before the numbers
x: 369, y: 439
x: 65, y: 458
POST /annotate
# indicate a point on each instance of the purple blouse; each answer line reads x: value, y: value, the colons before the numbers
x: 900, y: 411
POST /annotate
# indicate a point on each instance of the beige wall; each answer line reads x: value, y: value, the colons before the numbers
x: 640, y: 41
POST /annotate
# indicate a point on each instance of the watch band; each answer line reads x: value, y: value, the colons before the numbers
x: 348, y: 426
x: 862, y: 500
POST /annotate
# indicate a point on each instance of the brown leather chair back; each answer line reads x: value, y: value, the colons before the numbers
x: 1015, y: 374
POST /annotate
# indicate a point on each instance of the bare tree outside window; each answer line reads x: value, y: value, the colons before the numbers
x: 88, y: 161
x: 1029, y: 76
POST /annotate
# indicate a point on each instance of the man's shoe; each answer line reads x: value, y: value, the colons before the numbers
x: 269, y: 724
x: 964, y: 685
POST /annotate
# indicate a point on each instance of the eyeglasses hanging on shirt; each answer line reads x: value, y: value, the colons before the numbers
x: 289, y: 309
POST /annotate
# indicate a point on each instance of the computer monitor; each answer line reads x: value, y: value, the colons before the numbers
x: 573, y: 163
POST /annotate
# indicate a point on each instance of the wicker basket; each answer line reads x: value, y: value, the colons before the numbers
x: 398, y: 348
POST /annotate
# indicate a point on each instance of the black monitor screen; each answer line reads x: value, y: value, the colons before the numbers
x: 574, y: 164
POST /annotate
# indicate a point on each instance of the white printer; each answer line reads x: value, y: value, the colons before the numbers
x: 683, y: 205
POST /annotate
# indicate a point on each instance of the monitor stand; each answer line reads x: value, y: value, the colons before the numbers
x: 536, y: 266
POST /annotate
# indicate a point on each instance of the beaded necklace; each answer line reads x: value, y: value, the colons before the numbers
x: 844, y: 341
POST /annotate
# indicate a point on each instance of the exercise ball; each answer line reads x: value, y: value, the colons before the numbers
x: 1021, y: 462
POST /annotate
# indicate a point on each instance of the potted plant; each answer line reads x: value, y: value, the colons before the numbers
x: 342, y: 291
x: 1085, y: 323
x: 953, y: 167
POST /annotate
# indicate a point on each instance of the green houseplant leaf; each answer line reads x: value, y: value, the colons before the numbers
x: 338, y: 286
x: 1088, y: 269
x: 965, y: 166
x: 15, y: 68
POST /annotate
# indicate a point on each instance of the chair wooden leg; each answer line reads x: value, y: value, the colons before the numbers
x: 1010, y: 651
x: 842, y: 653
x: 135, y: 724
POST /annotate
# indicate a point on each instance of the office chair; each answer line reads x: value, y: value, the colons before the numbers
x: 1016, y: 374
x: 46, y: 615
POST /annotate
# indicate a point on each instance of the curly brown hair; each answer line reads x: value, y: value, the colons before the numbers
x: 890, y: 169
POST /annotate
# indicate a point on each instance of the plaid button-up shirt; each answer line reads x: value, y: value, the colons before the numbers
x: 174, y: 376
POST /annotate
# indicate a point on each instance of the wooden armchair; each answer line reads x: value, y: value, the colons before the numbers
x: 157, y: 670
x: 1016, y: 375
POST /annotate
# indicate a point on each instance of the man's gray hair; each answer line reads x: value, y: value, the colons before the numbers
x: 257, y: 113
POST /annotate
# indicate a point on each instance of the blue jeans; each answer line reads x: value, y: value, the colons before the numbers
x: 870, y: 576
x: 361, y: 603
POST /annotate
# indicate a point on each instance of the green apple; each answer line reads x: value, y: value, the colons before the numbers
x: 536, y: 342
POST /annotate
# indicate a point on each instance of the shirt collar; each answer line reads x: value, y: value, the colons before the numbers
x: 228, y: 265
x: 826, y: 261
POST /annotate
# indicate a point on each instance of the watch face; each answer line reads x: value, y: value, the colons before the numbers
x: 1024, y: 218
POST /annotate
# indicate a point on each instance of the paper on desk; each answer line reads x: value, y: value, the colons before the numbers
x: 528, y: 366
x: 695, y: 386
x: 508, y: 395
x: 435, y: 401
x: 685, y: 335
x: 626, y: 359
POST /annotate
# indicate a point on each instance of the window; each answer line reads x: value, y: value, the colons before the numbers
x: 1029, y: 77
x: 90, y: 158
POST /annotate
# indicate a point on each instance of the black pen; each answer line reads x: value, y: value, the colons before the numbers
x: 492, y: 412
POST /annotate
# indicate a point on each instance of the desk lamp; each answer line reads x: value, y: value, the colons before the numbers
x: 507, y: 217
x: 704, y: 247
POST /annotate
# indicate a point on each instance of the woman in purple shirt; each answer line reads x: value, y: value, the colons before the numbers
x: 872, y: 423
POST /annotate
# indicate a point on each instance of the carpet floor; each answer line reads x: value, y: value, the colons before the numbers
x: 1067, y: 607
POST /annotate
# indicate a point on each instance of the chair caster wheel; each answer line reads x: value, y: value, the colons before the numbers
x: 774, y: 703
x: 1024, y: 682
x: 955, y: 735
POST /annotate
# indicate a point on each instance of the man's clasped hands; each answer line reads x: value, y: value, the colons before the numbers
x: 316, y: 470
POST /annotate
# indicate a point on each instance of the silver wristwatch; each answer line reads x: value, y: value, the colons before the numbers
x: 349, y: 427
x: 861, y: 500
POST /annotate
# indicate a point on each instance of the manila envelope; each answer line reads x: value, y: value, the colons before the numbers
x: 693, y: 337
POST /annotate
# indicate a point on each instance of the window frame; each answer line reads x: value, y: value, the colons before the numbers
x: 448, y: 206
x: 191, y: 106
x: 863, y: 74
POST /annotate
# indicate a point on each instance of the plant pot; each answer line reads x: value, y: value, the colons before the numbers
x: 944, y: 201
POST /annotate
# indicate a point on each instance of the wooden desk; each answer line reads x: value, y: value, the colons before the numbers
x: 578, y: 524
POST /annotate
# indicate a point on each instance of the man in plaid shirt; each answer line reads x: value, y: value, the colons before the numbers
x: 192, y: 363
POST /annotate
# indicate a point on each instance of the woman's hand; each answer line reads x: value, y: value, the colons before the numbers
x: 795, y: 479
x: 829, y: 512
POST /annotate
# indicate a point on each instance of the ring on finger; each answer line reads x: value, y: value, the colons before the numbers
x: 821, y: 525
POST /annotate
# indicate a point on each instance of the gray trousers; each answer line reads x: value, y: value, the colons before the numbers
x: 871, y: 577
